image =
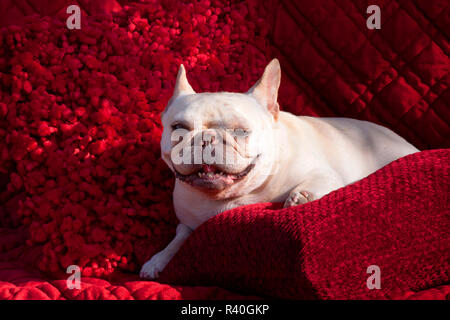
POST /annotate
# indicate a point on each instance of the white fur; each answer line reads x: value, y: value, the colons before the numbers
x: 312, y: 155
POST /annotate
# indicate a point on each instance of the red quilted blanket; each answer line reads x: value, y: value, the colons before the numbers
x: 81, y: 182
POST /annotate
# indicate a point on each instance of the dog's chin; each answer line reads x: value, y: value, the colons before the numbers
x: 212, y: 179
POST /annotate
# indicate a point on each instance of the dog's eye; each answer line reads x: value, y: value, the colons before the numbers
x: 241, y: 132
x: 178, y: 125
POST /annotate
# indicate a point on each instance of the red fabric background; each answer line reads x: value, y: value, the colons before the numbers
x: 85, y: 185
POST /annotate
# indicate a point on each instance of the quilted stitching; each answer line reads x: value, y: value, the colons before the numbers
x: 17, y: 283
x: 373, y: 80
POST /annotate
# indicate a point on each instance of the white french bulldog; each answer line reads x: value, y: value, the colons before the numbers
x: 296, y: 159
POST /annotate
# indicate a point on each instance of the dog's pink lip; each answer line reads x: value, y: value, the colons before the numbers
x: 209, y: 172
x: 211, y: 178
x: 208, y: 168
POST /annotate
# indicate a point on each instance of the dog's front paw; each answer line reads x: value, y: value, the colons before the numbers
x: 298, y: 197
x: 152, y: 268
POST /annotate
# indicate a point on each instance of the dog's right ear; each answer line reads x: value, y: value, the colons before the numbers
x: 182, y: 87
x: 265, y: 91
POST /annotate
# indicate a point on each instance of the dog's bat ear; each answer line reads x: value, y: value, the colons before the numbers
x: 182, y: 86
x: 265, y: 90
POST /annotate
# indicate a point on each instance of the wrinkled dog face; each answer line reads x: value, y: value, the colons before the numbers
x: 221, y: 143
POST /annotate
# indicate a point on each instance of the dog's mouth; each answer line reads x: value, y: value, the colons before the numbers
x: 212, y: 178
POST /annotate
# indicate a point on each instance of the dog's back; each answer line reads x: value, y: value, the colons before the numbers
x: 356, y: 148
x: 351, y: 148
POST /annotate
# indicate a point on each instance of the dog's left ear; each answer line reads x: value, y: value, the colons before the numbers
x: 265, y: 91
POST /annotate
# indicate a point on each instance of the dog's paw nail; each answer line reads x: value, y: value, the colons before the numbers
x: 297, y: 198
